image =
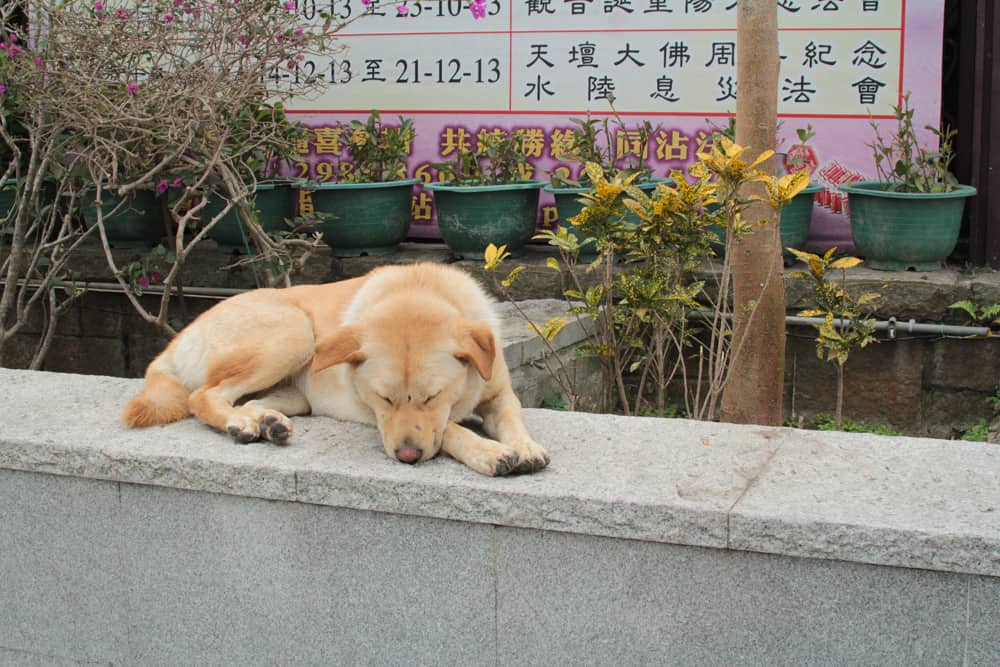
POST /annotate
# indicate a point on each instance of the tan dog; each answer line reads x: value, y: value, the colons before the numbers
x: 411, y: 349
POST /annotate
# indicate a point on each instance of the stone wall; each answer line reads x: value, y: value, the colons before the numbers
x: 646, y: 541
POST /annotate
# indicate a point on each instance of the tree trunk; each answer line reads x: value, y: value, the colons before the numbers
x: 753, y: 393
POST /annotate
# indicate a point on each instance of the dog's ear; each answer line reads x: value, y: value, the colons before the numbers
x: 342, y: 346
x: 477, y: 346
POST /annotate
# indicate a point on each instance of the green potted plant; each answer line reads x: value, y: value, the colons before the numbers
x: 368, y: 211
x: 796, y: 216
x: 272, y: 196
x: 484, y: 197
x: 592, y: 142
x: 910, y: 217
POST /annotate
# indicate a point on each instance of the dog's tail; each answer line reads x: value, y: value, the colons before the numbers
x: 163, y: 399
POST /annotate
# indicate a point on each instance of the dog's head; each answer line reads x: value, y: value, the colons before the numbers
x: 414, y: 373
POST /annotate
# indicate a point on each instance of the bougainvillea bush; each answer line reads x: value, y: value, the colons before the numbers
x: 178, y: 96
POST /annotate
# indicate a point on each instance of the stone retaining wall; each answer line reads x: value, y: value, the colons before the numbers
x: 646, y: 541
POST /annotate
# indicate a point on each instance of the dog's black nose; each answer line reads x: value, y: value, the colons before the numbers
x: 409, y: 454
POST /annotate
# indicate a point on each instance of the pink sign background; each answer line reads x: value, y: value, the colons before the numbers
x: 839, y: 150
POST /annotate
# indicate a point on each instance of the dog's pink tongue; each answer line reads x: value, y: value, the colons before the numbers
x: 408, y: 454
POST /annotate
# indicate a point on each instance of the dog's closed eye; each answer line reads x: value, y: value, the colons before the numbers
x: 431, y: 397
x: 385, y: 398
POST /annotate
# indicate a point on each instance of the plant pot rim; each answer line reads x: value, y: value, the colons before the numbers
x: 652, y: 181
x: 812, y: 189
x: 278, y: 181
x: 877, y: 189
x: 458, y: 187
x: 361, y: 186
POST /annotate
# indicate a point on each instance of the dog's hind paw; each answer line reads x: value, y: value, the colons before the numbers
x: 277, y: 428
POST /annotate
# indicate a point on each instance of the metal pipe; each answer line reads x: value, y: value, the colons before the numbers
x: 892, y: 325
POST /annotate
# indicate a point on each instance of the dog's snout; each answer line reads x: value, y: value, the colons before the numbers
x: 409, y: 453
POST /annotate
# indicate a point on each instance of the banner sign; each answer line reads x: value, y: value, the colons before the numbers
x: 534, y: 64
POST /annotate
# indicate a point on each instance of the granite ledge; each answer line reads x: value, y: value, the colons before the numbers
x: 903, y: 502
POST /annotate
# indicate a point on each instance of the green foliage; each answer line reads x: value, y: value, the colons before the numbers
x: 601, y: 142
x: 826, y: 422
x: 378, y: 152
x: 978, y: 432
x: 907, y: 166
x: 500, y: 158
x: 988, y: 315
x: 653, y: 319
x: 846, y: 324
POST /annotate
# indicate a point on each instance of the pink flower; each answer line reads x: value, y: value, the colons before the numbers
x: 366, y: 2
x: 143, y: 281
x: 168, y: 18
x: 178, y: 182
x: 243, y: 39
x: 162, y: 187
x: 13, y: 50
x: 402, y: 10
x: 132, y: 88
x: 290, y: 6
x: 3, y: 89
x: 121, y: 13
x: 39, y: 63
x: 155, y: 277
x: 98, y: 6
x: 478, y: 9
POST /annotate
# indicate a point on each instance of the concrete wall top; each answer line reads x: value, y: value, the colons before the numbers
x: 884, y: 500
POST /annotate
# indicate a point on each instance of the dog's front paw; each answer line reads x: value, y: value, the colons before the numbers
x: 493, y: 459
x: 531, y: 457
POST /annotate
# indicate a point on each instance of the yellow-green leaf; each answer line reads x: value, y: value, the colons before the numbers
x: 845, y: 262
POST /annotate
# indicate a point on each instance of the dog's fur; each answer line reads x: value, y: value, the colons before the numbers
x: 411, y: 349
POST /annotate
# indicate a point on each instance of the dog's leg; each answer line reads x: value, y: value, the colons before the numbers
x: 254, y: 367
x: 272, y: 410
x: 503, y: 420
x: 483, y: 455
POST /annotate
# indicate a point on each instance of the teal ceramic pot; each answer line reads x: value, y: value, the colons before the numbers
x: 274, y: 203
x: 138, y: 224
x: 471, y: 217
x: 368, y: 218
x: 899, y: 231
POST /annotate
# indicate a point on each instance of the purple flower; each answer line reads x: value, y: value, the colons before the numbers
x: 478, y: 9
x: 290, y: 6
x: 243, y: 39
x: 143, y: 281
x: 155, y: 277
x: 3, y: 89
x: 162, y: 187
x: 121, y: 13
x: 13, y: 50
x: 402, y: 10
x: 98, y: 6
x: 132, y: 88
x: 178, y: 182
x: 168, y: 18
x: 39, y: 63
